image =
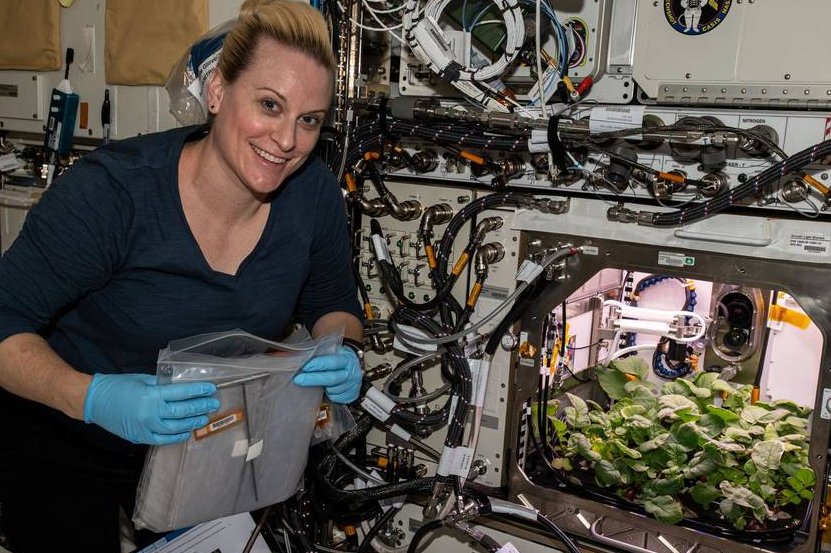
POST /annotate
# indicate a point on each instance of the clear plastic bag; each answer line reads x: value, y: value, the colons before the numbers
x: 186, y: 82
x: 333, y: 419
x: 253, y: 452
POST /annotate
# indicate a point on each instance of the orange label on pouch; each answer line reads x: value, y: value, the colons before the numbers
x: 779, y: 313
x: 219, y: 423
x: 323, y: 415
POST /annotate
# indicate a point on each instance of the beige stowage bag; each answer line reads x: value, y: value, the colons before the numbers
x: 30, y: 35
x: 145, y: 38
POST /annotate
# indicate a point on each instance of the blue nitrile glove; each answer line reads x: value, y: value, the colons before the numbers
x: 134, y: 407
x: 340, y: 373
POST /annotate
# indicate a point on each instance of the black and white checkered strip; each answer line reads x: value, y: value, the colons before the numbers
x: 522, y: 438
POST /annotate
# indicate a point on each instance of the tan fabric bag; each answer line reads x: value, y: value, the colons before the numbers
x: 145, y: 38
x: 30, y: 35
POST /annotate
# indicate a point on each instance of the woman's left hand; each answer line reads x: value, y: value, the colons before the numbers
x: 340, y: 373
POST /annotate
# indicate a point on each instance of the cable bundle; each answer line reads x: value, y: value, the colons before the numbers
x: 429, y: 44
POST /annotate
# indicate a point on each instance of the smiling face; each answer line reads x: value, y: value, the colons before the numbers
x: 268, y: 120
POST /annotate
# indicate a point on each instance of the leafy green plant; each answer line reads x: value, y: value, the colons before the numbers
x: 696, y: 445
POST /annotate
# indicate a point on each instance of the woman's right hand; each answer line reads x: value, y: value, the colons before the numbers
x: 138, y: 409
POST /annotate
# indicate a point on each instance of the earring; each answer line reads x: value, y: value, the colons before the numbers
x: 213, y: 107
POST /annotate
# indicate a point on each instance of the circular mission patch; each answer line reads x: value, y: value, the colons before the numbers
x: 696, y: 17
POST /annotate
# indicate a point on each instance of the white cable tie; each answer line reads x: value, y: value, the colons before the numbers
x: 538, y: 143
x: 507, y: 548
x: 528, y: 271
x: 413, y: 340
x: 479, y: 369
x: 377, y: 404
x: 448, y: 454
x: 499, y: 506
x: 381, y: 251
x: 454, y: 400
x: 407, y: 347
x: 462, y: 461
x: 401, y: 433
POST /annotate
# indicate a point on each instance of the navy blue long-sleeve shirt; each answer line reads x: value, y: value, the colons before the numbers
x: 107, y: 270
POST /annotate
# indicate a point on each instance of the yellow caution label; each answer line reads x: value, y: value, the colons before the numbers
x: 782, y: 314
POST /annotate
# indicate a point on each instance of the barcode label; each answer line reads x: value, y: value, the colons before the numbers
x: 810, y: 244
x: 219, y: 423
x: 616, y: 118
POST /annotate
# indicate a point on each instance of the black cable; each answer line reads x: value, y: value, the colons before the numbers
x: 291, y: 519
x: 554, y: 529
x: 366, y: 544
x: 421, y: 533
x: 542, y: 520
x: 752, y: 186
x: 391, y: 279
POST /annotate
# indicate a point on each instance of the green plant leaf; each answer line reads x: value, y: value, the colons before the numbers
x: 724, y: 414
x: 711, y: 425
x: 665, y: 509
x: 705, y: 379
x: 581, y: 444
x: 802, y: 479
x: 739, y: 399
x: 631, y: 410
x: 594, y: 406
x: 640, y: 422
x: 713, y: 382
x: 692, y: 390
x: 612, y: 382
x: 663, y: 486
x: 732, y: 447
x: 794, y: 408
x: 606, y: 474
x: 690, y: 435
x: 767, y: 455
x: 601, y: 419
x: 674, y: 387
x: 577, y: 414
x: 704, y: 493
x: 562, y: 463
x: 700, y: 465
x: 671, y: 403
x: 774, y: 416
x: 633, y: 365
x: 795, y: 423
x: 743, y: 497
x: 640, y: 394
x: 625, y: 450
x: 655, y: 443
x: 754, y: 414
x: 738, y: 434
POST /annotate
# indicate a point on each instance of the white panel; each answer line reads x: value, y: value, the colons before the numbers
x: 745, y: 59
x: 21, y: 96
x: 793, y: 360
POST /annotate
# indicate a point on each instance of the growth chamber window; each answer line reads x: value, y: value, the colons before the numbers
x: 666, y: 408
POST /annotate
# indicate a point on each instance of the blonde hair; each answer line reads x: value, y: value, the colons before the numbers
x: 291, y: 23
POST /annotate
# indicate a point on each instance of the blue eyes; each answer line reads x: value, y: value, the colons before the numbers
x: 271, y: 106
